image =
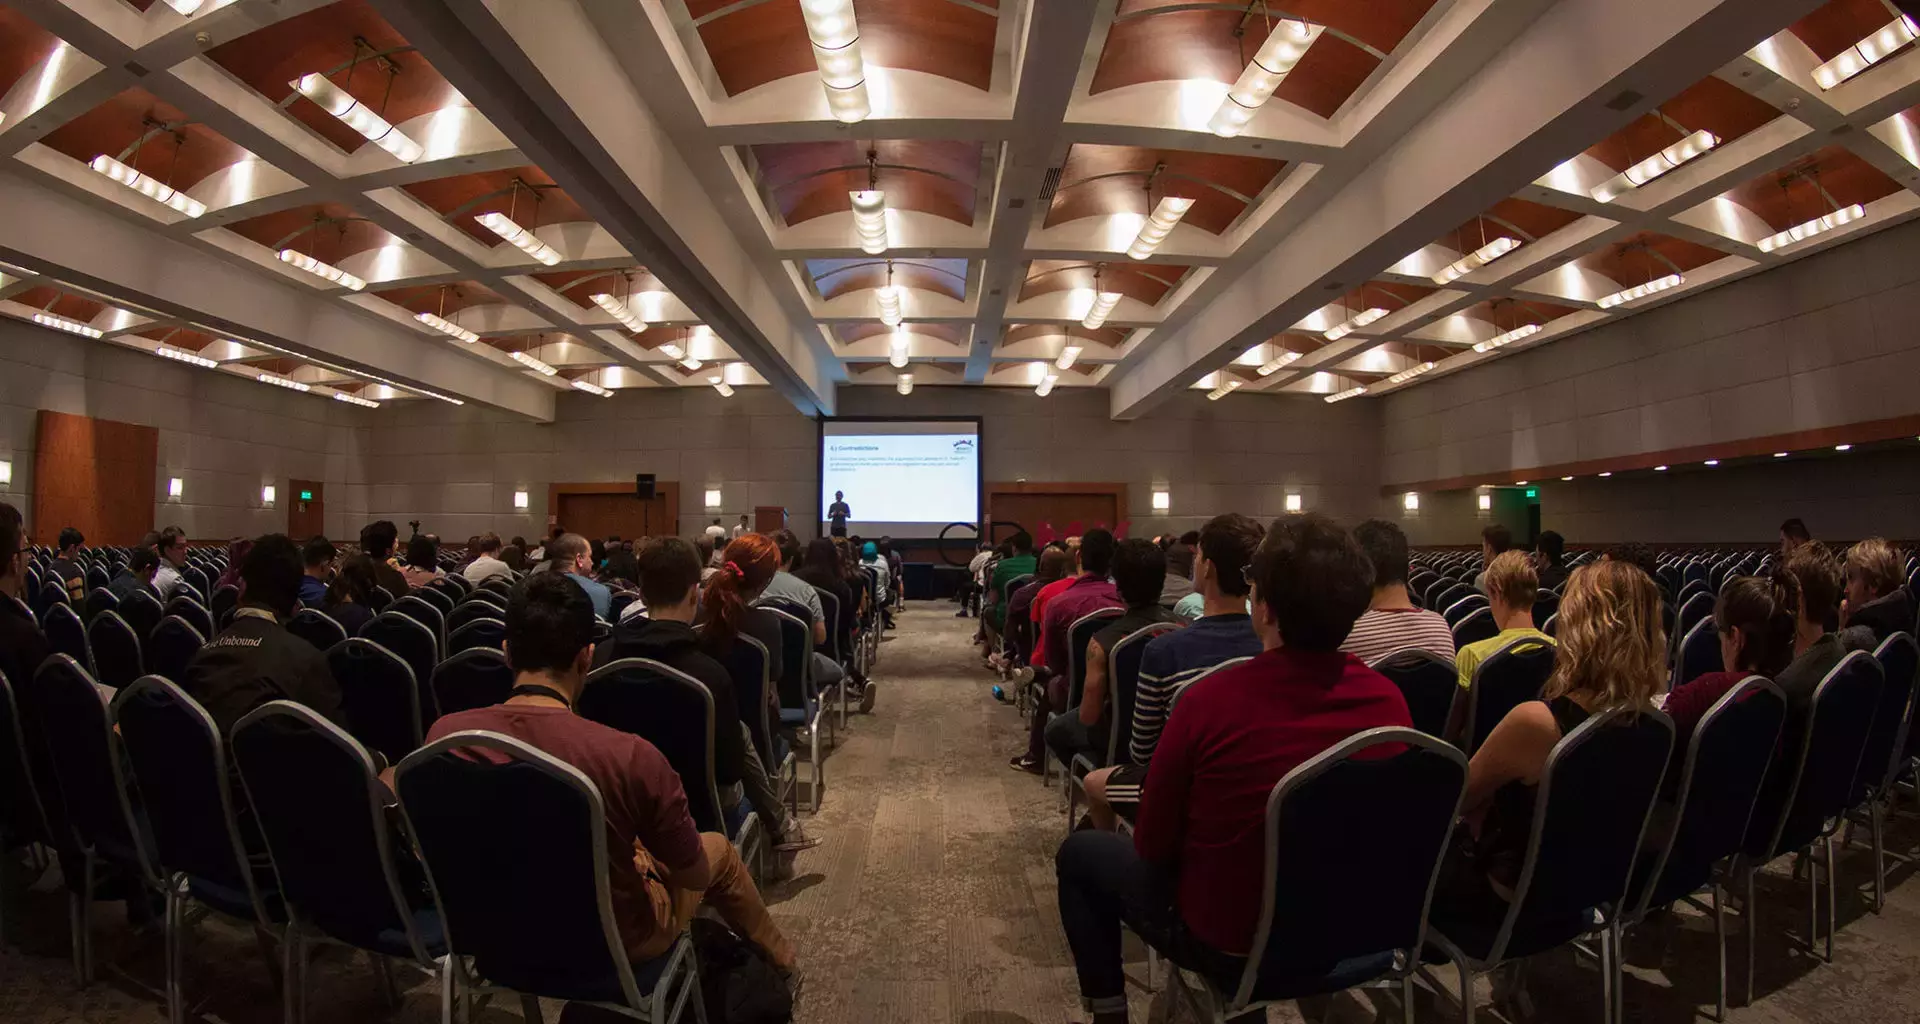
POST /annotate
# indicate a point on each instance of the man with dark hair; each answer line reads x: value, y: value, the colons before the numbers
x: 142, y: 563
x: 670, y: 587
x: 1816, y: 649
x: 318, y: 553
x: 570, y: 554
x: 1184, y: 880
x: 1222, y: 632
x: 1494, y: 541
x: 1089, y: 591
x: 672, y: 867
x: 1139, y: 571
x: 1793, y: 533
x: 22, y: 646
x: 1550, y: 560
x: 486, y: 562
x: 172, y: 549
x: 377, y: 540
x: 1391, y: 621
x: 837, y: 514
x: 256, y: 660
x: 67, y: 569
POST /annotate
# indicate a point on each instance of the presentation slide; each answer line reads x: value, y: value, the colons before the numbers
x: 900, y: 478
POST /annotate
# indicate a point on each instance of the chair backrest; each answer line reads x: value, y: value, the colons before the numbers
x: 478, y: 633
x: 378, y: 695
x: 116, y: 649
x: 1595, y: 795
x: 477, y: 677
x: 1429, y: 682
x: 194, y: 612
x: 1545, y: 606
x: 1838, y: 725
x: 22, y: 818
x: 321, y: 809
x: 420, y: 610
x: 1551, y: 627
x: 1078, y: 636
x: 796, y: 657
x: 171, y: 647
x: 1697, y: 655
x: 1508, y: 678
x: 1726, y: 761
x: 669, y: 709
x: 518, y: 813
x: 196, y: 578
x: 223, y: 602
x: 1886, y: 748
x: 500, y: 585
x: 101, y: 600
x: 1463, y: 607
x: 175, y: 752
x: 493, y: 592
x: 1697, y: 607
x: 746, y: 663
x: 1174, y: 697
x: 1123, y: 676
x: 379, y: 598
x: 442, y: 601
x: 142, y: 611
x: 98, y: 577
x: 1475, y: 626
x: 415, y: 643
x: 52, y: 592
x: 316, y: 627
x: 476, y: 608
x: 836, y: 646
x: 84, y: 753
x: 1353, y: 850
x: 65, y: 632
x: 1690, y: 588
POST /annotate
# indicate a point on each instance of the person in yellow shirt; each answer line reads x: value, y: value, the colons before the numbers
x: 1511, y: 588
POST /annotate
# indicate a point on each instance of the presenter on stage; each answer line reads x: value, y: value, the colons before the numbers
x: 838, y: 513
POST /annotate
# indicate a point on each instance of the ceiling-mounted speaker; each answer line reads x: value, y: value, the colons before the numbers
x: 643, y: 486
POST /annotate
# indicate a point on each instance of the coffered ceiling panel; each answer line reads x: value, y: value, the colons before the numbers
x: 1101, y: 181
x: 812, y: 179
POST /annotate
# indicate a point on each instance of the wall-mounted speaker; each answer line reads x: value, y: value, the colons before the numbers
x: 643, y: 486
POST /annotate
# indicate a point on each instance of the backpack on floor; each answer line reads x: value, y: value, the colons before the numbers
x: 738, y: 983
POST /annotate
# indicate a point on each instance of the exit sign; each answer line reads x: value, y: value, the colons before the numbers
x: 308, y: 495
x: 1532, y: 492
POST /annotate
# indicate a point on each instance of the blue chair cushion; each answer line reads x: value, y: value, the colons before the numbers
x: 792, y: 718
x: 1344, y: 975
x: 426, y: 921
x: 234, y: 902
x: 737, y: 816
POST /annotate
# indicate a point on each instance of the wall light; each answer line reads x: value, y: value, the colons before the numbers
x: 1606, y: 474
x: 1842, y: 447
x: 6, y: 471
x: 1565, y: 479
x: 1779, y: 455
x: 1294, y: 503
x: 1162, y: 501
x: 266, y: 495
x: 176, y: 487
x: 713, y: 498
x: 520, y: 501
x: 1713, y: 462
x: 1410, y: 501
x: 1486, y: 503
x: 1659, y: 469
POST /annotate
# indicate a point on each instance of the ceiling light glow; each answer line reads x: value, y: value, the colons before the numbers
x: 1285, y: 45
x: 1232, y: 384
x: 1867, y: 52
x: 1361, y: 320
x: 1476, y: 259
x: 897, y: 348
x: 1842, y: 447
x: 1508, y: 338
x: 591, y: 388
x: 61, y: 323
x: 836, y: 51
x: 1654, y: 166
x: 621, y: 311
x: 1641, y: 291
x: 1067, y: 356
x: 1103, y: 303
x: 283, y: 382
x: 182, y: 355
x: 1817, y: 226
x: 1277, y: 363
x: 326, y: 271
x: 357, y: 116
x: 1410, y: 372
x: 888, y: 296
x: 720, y: 384
x: 185, y: 7
x: 1046, y: 385
x: 364, y: 403
x: 1158, y: 226
x: 870, y: 219
x: 1341, y: 396
x: 447, y: 327
x: 904, y: 384
x: 520, y: 237
x: 534, y: 364
x: 146, y: 185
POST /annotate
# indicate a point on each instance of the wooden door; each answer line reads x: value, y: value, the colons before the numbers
x: 306, y: 509
x: 96, y: 475
x: 1061, y: 505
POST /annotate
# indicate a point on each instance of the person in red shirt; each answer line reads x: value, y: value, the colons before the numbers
x: 1755, y: 618
x: 1089, y: 590
x: 1183, y: 882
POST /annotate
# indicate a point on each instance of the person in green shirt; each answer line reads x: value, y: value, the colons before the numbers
x: 1020, y: 563
x: 1511, y: 587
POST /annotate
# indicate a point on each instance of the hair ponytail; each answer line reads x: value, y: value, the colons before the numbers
x: 746, y: 566
x: 1764, y: 610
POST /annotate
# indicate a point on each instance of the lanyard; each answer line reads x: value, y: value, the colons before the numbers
x: 538, y: 690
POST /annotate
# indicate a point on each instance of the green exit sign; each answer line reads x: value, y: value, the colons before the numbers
x: 308, y: 495
x: 1532, y: 492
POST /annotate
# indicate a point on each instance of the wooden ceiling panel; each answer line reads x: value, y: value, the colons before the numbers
x: 1790, y: 196
x: 1171, y: 45
x: 753, y: 44
x: 1392, y: 296
x: 181, y: 158
x: 321, y: 39
x: 328, y: 242
x: 553, y: 205
x: 1536, y: 219
x: 848, y: 333
x: 59, y: 303
x: 1101, y: 181
x: 445, y: 300
x: 23, y: 45
x: 1508, y: 313
x: 178, y: 337
x: 1840, y: 24
x: 579, y: 286
x: 812, y: 179
x: 1630, y: 262
x: 1331, y: 70
x: 1724, y: 109
x: 834, y: 278
x: 1109, y: 337
x: 1145, y: 282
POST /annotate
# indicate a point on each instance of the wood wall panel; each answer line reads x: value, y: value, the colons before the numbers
x: 93, y: 474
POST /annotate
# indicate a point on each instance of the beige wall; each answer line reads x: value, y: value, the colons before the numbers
x: 224, y: 437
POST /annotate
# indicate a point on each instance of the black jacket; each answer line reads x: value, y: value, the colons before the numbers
x: 1872, y: 623
x: 255, y: 661
x: 677, y: 646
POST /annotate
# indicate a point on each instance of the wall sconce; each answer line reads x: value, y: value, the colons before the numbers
x: 1162, y: 500
x: 713, y: 499
x: 519, y: 501
x: 1486, y: 502
x: 1294, y: 504
x: 176, y: 487
x: 1411, y: 502
x: 266, y: 495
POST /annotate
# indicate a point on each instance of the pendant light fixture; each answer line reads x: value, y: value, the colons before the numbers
x: 1641, y: 291
x: 439, y: 322
x: 161, y: 192
x: 1287, y: 41
x: 1820, y: 225
x: 621, y: 309
x: 1691, y: 146
x: 889, y: 299
x: 1103, y: 303
x: 1355, y: 322
x: 1487, y: 253
x: 340, y: 103
x: 313, y: 265
x: 836, y: 52
x: 870, y: 209
x: 523, y: 239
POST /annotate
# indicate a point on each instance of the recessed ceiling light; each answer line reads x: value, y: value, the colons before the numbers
x: 1779, y: 455
x: 1565, y: 478
x: 1608, y: 473
x: 1842, y: 447
x: 1713, y: 462
x: 1659, y: 469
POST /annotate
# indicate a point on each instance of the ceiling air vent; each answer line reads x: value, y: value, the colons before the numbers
x: 1049, y: 184
x: 137, y: 70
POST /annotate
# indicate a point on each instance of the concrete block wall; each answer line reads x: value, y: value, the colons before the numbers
x: 224, y: 437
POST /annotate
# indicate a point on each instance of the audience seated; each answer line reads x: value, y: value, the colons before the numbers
x: 318, y: 555
x: 142, y: 565
x: 1640, y: 556
x: 673, y: 868
x: 1179, y: 584
x: 1088, y: 590
x: 1020, y: 562
x: 423, y: 561
x: 237, y: 550
x: 514, y: 555
x: 171, y: 546
x: 1391, y: 621
x: 67, y: 568
x: 1224, y: 631
x: 256, y: 660
x: 1611, y: 654
x: 670, y: 585
x: 1877, y: 604
x: 727, y: 608
x: 1755, y: 618
x: 1139, y: 573
x: 1816, y: 577
x: 1510, y: 586
x: 348, y: 600
x: 871, y: 557
x: 1495, y: 540
x: 824, y: 569
x: 1793, y: 533
x: 487, y: 562
x: 791, y: 589
x: 571, y: 555
x: 1185, y: 881
x: 620, y: 574
x: 22, y: 646
x: 1549, y: 561
x: 377, y: 540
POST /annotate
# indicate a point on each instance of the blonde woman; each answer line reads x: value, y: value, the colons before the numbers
x: 1611, y: 654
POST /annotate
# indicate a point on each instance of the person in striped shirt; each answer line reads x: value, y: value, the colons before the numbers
x: 1223, y: 633
x: 1391, y: 621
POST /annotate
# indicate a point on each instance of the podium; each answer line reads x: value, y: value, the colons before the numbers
x: 769, y: 519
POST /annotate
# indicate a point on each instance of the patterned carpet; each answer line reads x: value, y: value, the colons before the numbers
x: 931, y: 901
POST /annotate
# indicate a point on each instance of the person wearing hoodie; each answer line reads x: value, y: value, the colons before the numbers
x: 1875, y: 602
x: 670, y: 587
